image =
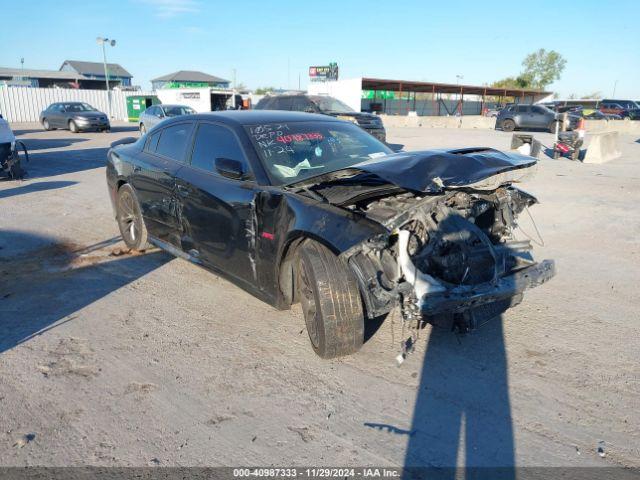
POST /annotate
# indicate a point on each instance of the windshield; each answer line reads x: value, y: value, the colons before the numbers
x: 78, y: 107
x: 291, y: 152
x: 333, y: 105
x: 177, y: 110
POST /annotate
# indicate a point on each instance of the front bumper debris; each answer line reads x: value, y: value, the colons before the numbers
x: 463, y: 298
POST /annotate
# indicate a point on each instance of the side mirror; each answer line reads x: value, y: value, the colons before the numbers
x: 229, y: 168
x: 310, y: 110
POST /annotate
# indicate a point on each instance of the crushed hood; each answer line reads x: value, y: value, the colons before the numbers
x: 432, y: 171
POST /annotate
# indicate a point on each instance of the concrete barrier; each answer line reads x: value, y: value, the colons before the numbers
x: 603, y: 147
x: 466, y: 121
x: 621, y: 126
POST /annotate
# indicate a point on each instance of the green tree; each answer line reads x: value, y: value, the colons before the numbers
x: 512, y: 82
x: 543, y: 67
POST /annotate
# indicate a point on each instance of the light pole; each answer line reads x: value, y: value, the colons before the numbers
x: 458, y: 78
x: 102, y: 41
x: 614, y: 89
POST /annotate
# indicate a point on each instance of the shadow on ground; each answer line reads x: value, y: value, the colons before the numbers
x: 61, y: 162
x: 125, y: 128
x: 34, y: 187
x: 44, y: 143
x: 462, y: 414
x: 47, y: 286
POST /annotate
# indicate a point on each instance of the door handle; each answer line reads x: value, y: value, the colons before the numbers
x: 183, y: 191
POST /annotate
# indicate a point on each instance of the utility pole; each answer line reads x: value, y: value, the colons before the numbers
x: 614, y: 89
x: 102, y: 41
x: 22, y: 63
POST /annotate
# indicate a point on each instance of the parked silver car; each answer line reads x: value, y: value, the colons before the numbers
x: 157, y: 113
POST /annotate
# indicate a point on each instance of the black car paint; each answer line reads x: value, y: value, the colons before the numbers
x: 255, y: 223
x: 248, y: 229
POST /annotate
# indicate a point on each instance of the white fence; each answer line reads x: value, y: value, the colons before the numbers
x: 20, y: 104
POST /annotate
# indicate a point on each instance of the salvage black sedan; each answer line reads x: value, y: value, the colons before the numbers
x: 298, y: 207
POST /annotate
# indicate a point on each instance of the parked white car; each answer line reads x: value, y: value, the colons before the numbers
x: 157, y: 113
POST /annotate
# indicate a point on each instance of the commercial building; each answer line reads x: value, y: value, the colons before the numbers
x: 94, y: 71
x: 189, y: 79
x: 72, y: 74
x: 404, y: 97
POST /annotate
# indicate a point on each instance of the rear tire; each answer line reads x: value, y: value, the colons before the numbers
x: 330, y: 300
x: 129, y: 218
x: 73, y: 127
x: 508, y: 125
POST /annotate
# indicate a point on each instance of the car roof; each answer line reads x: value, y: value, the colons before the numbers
x: 253, y: 117
x: 171, y: 105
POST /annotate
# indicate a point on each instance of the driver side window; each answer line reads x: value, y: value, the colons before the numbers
x: 215, y: 141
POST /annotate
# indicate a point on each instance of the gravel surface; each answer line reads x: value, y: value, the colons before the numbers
x: 109, y: 358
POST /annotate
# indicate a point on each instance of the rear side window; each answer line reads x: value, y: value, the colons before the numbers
x: 265, y: 103
x: 539, y: 110
x: 173, y: 141
x: 522, y: 109
x: 214, y: 141
x: 281, y: 103
x: 300, y: 104
x: 152, y: 142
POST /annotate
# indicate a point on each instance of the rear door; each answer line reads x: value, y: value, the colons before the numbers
x: 154, y: 179
x: 55, y: 117
x: 218, y: 224
x: 540, y: 117
x: 524, y: 114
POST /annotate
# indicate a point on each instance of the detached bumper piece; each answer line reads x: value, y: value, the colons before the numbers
x: 469, y: 298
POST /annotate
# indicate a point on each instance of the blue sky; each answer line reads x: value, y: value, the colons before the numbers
x: 405, y: 39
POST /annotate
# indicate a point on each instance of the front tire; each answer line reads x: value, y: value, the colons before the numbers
x: 46, y: 125
x: 73, y: 127
x: 508, y: 125
x: 143, y: 129
x: 330, y: 300
x: 552, y: 126
x: 129, y: 218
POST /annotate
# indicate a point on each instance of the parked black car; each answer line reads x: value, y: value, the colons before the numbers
x: 74, y: 116
x: 325, y: 105
x: 532, y: 117
x: 307, y: 208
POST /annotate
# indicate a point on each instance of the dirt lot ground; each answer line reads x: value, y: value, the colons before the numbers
x: 110, y: 359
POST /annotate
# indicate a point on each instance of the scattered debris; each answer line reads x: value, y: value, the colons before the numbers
x: 218, y: 419
x: 303, y: 432
x: 136, y: 387
x: 25, y: 439
x: 600, y: 449
x: 389, y: 428
x: 118, y: 252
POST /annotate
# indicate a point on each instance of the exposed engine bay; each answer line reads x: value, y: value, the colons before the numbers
x: 450, y: 259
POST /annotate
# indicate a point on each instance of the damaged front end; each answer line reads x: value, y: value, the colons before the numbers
x: 450, y: 259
